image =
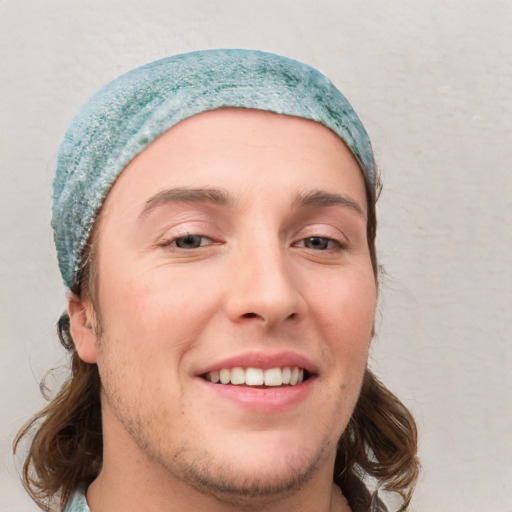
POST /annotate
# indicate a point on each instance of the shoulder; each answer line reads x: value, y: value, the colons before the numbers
x: 77, y: 502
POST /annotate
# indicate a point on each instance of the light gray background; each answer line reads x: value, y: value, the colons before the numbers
x: 432, y: 81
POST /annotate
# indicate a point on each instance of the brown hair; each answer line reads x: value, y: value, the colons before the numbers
x: 66, y: 449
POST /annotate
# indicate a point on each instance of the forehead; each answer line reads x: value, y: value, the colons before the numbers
x: 239, y: 150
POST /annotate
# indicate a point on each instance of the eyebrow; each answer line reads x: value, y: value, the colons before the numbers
x: 219, y: 197
x: 320, y: 198
x: 187, y: 195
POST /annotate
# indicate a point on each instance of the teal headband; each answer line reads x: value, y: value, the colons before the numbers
x: 130, y: 112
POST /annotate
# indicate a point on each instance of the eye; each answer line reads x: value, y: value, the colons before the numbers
x: 320, y: 243
x: 190, y: 241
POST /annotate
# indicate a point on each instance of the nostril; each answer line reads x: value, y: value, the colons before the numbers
x: 255, y: 315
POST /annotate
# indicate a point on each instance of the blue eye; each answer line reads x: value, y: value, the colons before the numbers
x: 319, y: 243
x: 191, y: 241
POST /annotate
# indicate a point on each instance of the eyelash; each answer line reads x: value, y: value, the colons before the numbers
x: 328, y: 244
x: 173, y: 242
x: 336, y: 245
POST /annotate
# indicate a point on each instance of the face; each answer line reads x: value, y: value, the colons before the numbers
x: 233, y: 249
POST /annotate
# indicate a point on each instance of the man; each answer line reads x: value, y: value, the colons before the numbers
x: 214, y: 217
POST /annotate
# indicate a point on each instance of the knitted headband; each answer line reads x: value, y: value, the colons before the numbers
x: 130, y: 112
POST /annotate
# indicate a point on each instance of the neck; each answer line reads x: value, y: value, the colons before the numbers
x: 105, y: 497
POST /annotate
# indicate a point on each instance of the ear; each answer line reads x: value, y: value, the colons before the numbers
x: 81, y: 325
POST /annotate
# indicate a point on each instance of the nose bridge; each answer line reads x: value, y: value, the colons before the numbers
x: 263, y: 286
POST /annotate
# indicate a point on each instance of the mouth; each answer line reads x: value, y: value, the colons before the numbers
x: 253, y: 377
x: 261, y: 382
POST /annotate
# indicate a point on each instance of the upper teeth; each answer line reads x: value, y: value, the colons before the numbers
x: 257, y: 376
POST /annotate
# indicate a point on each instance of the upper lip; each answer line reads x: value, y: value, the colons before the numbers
x: 262, y: 360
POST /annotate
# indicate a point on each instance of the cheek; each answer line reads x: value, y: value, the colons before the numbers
x: 345, y: 309
x: 160, y: 311
x: 347, y: 300
x: 144, y: 339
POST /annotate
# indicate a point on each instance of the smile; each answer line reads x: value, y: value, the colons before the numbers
x: 250, y: 376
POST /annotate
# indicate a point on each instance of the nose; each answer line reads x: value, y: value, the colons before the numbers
x: 263, y: 288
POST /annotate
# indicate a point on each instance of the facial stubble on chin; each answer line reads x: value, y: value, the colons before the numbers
x: 237, y: 490
x: 225, y: 482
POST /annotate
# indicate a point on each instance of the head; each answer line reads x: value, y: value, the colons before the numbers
x: 222, y: 217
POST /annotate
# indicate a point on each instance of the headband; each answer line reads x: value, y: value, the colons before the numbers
x: 130, y: 112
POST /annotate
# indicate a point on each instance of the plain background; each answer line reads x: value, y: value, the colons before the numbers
x: 432, y: 81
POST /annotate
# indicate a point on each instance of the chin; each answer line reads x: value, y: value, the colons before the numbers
x: 271, y: 479
x: 257, y: 470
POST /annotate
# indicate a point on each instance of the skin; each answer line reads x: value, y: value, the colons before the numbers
x: 269, y: 275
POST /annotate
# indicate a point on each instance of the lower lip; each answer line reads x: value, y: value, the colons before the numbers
x: 267, y: 400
